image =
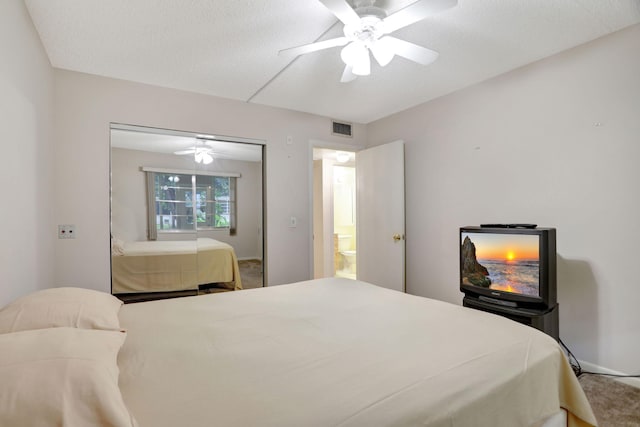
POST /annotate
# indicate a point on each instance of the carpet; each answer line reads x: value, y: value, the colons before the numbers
x: 250, y: 273
x: 614, y: 404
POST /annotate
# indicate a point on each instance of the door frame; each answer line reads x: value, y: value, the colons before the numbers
x: 316, y: 143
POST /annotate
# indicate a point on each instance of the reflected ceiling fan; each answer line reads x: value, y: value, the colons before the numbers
x: 366, y: 28
x: 202, y: 152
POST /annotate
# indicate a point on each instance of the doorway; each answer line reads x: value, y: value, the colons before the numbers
x: 374, y: 221
x: 334, y: 213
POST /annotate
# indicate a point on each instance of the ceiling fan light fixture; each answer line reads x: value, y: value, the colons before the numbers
x: 365, y: 28
x: 350, y: 52
x: 363, y: 66
x: 356, y: 55
x: 207, y: 158
x: 347, y: 74
x: 203, y: 156
x: 342, y: 157
x: 383, y: 51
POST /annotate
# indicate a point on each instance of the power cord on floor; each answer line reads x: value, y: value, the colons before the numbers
x: 577, y: 369
x: 573, y: 361
x: 611, y: 375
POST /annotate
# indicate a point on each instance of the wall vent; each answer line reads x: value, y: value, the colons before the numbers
x: 343, y: 129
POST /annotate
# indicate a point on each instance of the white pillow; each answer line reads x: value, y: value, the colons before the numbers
x: 61, y: 376
x: 117, y: 246
x: 55, y: 307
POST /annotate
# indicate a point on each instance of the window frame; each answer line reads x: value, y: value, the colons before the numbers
x: 152, y: 201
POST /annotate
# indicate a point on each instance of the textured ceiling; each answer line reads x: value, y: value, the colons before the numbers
x: 230, y: 48
x: 168, y: 142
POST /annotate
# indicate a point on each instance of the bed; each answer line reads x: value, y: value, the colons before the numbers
x: 328, y: 352
x: 164, y: 266
x: 337, y: 352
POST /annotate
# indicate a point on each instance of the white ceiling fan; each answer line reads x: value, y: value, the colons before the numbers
x: 202, y: 152
x: 366, y: 28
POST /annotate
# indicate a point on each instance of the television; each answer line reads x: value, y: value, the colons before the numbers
x: 509, y: 266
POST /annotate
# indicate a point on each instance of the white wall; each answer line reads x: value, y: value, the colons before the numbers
x: 555, y: 143
x: 129, y: 198
x: 318, y: 220
x: 26, y: 88
x: 86, y: 104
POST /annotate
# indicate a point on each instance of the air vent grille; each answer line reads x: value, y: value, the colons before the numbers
x: 343, y: 129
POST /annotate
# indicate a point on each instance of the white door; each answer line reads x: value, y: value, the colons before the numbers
x: 380, y: 246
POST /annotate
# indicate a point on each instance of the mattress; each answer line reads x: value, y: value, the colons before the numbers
x: 338, y: 352
x: 161, y: 266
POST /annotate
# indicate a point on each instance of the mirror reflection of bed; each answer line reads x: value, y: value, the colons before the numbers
x: 186, y: 213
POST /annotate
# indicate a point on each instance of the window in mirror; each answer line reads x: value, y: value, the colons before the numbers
x: 172, y: 205
x: 212, y: 202
x: 184, y: 202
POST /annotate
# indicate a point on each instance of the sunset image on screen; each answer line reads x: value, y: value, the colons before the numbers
x: 504, y: 262
x: 506, y: 247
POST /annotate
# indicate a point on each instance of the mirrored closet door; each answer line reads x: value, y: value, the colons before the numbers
x: 186, y: 213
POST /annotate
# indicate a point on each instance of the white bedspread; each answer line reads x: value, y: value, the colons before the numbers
x: 157, y: 247
x: 336, y: 352
x: 172, y: 247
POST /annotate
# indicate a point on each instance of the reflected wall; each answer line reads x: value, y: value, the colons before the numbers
x: 165, y: 203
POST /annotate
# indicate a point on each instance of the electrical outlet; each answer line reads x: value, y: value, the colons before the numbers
x: 66, y: 231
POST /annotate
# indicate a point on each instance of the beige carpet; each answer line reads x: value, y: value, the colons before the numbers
x: 614, y: 404
x: 251, y: 273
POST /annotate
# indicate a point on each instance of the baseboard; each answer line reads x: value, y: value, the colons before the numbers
x: 586, y: 366
x: 250, y: 258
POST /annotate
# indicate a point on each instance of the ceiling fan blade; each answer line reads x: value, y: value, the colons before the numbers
x: 411, y: 51
x: 347, y: 74
x: 342, y: 10
x: 415, y: 12
x: 307, y: 48
x: 181, y: 152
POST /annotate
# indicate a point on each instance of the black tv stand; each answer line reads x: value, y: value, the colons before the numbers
x: 545, y: 321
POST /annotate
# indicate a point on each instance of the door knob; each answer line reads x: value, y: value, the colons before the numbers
x: 396, y: 237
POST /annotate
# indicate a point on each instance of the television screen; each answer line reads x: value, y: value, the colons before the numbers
x: 501, y: 262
